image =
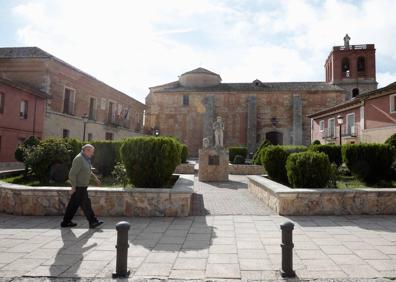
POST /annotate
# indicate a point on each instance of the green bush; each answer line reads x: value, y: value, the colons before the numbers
x: 316, y: 142
x: 119, y: 174
x: 308, y: 169
x: 332, y: 151
x: 106, y: 156
x: 234, y: 151
x: 257, y: 155
x: 369, y: 162
x: 74, y: 146
x: 238, y: 159
x: 274, y: 160
x: 391, y: 140
x: 46, y: 154
x: 150, y: 161
x: 21, y: 150
x: 184, y: 153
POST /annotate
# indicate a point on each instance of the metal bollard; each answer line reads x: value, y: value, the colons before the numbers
x: 122, y: 246
x: 287, y: 250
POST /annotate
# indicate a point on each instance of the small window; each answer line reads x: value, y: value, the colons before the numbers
x: 321, y: 125
x: 331, y: 125
x: 361, y: 64
x: 66, y: 133
x: 355, y: 92
x: 350, y: 124
x: 90, y: 136
x: 392, y: 103
x: 109, y: 136
x: 186, y: 100
x: 2, y: 102
x: 23, y: 109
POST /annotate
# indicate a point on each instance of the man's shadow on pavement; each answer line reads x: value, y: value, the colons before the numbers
x: 70, y: 256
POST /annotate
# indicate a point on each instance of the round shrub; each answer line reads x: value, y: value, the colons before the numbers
x: 332, y: 151
x: 369, y: 162
x: 274, y: 160
x: 46, y: 154
x: 391, y: 140
x: 238, y: 159
x: 234, y: 151
x: 21, y: 150
x: 316, y: 142
x: 308, y: 169
x: 184, y: 153
x: 150, y: 161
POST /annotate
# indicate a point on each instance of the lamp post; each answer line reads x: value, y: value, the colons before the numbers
x: 85, y: 120
x: 340, y: 121
x: 156, y: 132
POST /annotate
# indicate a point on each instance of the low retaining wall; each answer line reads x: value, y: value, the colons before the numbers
x: 244, y: 169
x: 185, y: 169
x: 25, y: 200
x: 288, y: 201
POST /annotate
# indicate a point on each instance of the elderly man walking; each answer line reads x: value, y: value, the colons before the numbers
x: 79, y: 176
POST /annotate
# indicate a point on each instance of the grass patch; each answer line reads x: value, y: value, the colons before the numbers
x: 350, y: 182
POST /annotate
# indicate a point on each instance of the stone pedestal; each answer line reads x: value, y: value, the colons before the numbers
x: 213, y: 165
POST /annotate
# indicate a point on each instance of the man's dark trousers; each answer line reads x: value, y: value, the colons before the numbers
x: 80, y: 199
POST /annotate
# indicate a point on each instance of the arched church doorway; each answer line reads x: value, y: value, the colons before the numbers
x: 274, y: 137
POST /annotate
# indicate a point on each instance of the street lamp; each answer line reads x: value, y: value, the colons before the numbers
x: 156, y: 132
x: 85, y: 120
x: 340, y: 121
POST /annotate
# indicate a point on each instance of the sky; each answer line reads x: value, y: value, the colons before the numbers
x: 134, y: 45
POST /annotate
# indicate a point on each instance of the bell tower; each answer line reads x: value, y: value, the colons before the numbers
x: 352, y: 67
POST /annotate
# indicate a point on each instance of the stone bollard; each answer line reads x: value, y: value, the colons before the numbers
x: 287, y: 250
x: 122, y: 246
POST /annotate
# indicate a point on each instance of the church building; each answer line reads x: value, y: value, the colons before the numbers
x: 256, y: 111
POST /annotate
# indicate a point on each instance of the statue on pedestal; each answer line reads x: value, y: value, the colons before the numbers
x: 218, y: 127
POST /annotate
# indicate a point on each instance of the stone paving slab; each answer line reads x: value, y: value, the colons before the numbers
x: 226, y: 198
x: 236, y: 247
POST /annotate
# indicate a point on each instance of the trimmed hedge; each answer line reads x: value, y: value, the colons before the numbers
x: 150, y: 161
x: 332, y: 151
x: 308, y: 169
x: 274, y: 159
x: 237, y: 151
x: 184, y: 153
x: 106, y: 156
x: 368, y: 162
x: 239, y: 159
x: 257, y: 155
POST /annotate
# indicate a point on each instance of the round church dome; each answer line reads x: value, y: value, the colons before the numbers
x: 199, y: 77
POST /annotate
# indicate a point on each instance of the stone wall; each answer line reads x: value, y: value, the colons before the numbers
x: 38, y: 201
x: 288, y: 201
x: 185, y: 169
x: 244, y: 169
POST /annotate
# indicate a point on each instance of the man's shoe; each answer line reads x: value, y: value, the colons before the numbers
x: 68, y: 224
x: 95, y: 224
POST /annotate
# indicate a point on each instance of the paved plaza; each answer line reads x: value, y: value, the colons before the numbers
x: 217, y: 246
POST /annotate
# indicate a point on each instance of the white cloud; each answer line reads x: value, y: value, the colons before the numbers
x: 385, y: 78
x: 133, y: 45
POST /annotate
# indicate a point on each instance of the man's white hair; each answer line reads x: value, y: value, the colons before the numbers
x: 86, y: 146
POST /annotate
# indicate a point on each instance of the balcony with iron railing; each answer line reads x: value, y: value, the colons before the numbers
x: 116, y: 121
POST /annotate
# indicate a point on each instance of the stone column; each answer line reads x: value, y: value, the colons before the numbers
x: 251, y: 133
x: 297, y: 120
x: 208, y: 118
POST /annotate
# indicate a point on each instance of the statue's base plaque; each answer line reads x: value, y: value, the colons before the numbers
x: 213, y: 165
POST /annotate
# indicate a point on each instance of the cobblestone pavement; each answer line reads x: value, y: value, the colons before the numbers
x: 226, y: 198
x: 200, y: 247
